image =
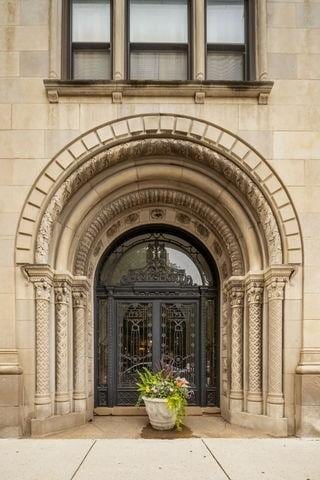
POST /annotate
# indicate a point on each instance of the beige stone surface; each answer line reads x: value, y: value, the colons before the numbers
x: 34, y: 64
x: 9, y: 12
x: 9, y: 64
x: 286, y: 132
x: 21, y: 38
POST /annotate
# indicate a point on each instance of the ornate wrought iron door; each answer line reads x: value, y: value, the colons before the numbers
x: 148, y: 332
x: 151, y: 313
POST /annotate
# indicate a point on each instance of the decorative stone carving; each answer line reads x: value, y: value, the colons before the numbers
x: 183, y: 218
x: 236, y: 299
x: 43, y: 292
x: 79, y: 302
x: 62, y: 297
x: 41, y: 277
x: 132, y: 218
x: 276, y: 279
x: 113, y: 229
x: 202, y: 230
x: 157, y: 214
x: 168, y: 147
x: 224, y: 334
x: 217, y: 248
x: 160, y: 196
x: 255, y: 312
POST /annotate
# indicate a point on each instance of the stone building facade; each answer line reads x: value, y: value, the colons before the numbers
x: 233, y: 165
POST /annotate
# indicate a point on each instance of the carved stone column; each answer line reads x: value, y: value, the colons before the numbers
x: 276, y: 279
x: 79, y: 303
x: 42, y: 277
x: 255, y: 317
x: 236, y: 298
x: 62, y: 297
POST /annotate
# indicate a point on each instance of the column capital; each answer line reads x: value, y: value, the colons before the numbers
x: 42, y: 278
x: 79, y: 298
x: 279, y: 272
x: 61, y: 292
x: 254, y: 288
x: 275, y: 289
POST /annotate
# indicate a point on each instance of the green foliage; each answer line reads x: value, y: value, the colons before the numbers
x: 163, y: 384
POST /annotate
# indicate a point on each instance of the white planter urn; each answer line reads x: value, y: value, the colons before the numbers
x: 161, y: 418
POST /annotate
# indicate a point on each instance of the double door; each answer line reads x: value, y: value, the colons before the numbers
x: 144, y: 329
x: 150, y: 333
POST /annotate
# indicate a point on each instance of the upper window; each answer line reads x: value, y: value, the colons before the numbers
x: 158, y: 39
x: 226, y: 40
x: 90, y: 39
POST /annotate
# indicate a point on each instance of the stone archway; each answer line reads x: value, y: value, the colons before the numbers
x: 170, y: 170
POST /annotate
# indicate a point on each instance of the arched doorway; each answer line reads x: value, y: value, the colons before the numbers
x: 178, y: 172
x: 156, y: 301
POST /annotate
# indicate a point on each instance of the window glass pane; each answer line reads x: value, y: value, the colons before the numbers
x: 224, y: 66
x: 159, y: 21
x: 91, y: 64
x: 158, y: 65
x: 91, y: 21
x: 137, y: 258
x: 225, y: 21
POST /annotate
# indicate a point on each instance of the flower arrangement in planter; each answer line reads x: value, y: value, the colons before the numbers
x: 165, y: 396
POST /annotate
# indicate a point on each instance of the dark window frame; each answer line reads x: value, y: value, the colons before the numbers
x: 69, y: 47
x: 159, y: 46
x: 247, y: 48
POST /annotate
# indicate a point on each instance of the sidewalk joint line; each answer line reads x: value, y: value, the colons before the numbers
x: 212, y: 455
x: 82, y: 461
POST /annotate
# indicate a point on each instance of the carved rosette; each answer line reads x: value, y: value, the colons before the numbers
x: 42, y: 298
x: 62, y: 297
x: 275, y: 290
x: 79, y: 303
x: 255, y: 314
x: 236, y: 298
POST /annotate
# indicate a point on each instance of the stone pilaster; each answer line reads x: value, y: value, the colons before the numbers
x: 62, y: 297
x: 236, y: 299
x: 41, y: 278
x: 255, y: 317
x: 79, y: 304
x: 276, y: 279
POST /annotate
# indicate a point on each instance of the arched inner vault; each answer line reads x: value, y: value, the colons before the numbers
x: 163, y: 170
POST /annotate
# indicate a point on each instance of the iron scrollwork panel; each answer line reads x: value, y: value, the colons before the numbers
x: 134, y: 347
x: 179, y: 331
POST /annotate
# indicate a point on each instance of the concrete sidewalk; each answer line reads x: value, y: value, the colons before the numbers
x: 183, y: 459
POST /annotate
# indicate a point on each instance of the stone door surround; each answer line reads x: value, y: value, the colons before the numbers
x: 171, y: 170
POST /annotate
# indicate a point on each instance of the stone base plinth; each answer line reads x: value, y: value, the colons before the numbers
x: 11, y: 385
x: 56, y: 423
x: 308, y: 405
x: 276, y: 427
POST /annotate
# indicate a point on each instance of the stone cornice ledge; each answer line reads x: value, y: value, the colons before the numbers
x: 198, y: 90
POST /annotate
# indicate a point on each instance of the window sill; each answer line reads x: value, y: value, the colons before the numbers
x: 117, y: 90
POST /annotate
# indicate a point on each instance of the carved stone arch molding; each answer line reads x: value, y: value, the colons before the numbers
x: 235, y: 179
x: 158, y: 206
x: 203, y: 142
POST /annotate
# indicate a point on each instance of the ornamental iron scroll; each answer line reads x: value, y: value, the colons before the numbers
x: 157, y: 269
